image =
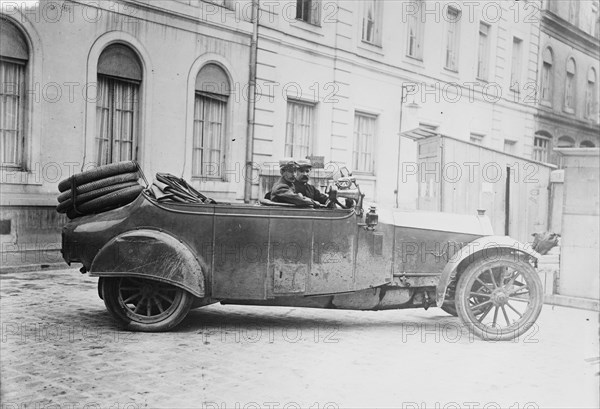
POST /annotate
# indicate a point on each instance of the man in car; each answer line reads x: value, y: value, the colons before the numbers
x: 283, y: 190
x: 302, y: 186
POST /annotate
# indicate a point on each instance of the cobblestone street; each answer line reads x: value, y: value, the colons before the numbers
x: 60, y: 349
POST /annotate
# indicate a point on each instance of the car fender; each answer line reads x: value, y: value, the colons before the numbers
x: 150, y: 254
x: 488, y: 245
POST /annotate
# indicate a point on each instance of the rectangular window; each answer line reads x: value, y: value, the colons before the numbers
x: 371, y: 22
x: 11, y: 114
x: 540, y: 148
x: 209, y: 126
x: 483, y: 52
x: 116, y: 120
x: 299, y: 129
x: 364, y: 143
x: 510, y: 146
x: 415, y: 33
x: 309, y: 11
x: 515, y: 67
x: 574, y: 12
x: 452, y: 38
x: 476, y: 138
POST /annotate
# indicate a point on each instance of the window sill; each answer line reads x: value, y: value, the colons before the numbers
x: 414, y: 61
x: 231, y: 7
x: 372, y: 47
x: 364, y: 175
x: 450, y: 73
x: 307, y: 27
x: 207, y: 179
x: 569, y: 110
x: 546, y: 103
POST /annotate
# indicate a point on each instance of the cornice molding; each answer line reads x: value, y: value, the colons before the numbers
x: 553, y: 117
x: 559, y: 28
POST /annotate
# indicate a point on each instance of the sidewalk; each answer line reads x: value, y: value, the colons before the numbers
x: 32, y: 260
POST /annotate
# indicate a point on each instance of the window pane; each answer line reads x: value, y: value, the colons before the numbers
x: 453, y: 17
x: 299, y: 125
x: 483, y: 55
x: 364, y: 140
x: 540, y: 149
x: 370, y: 23
x: 209, y: 125
x: 515, y: 76
x: 11, y: 113
x: 116, y: 120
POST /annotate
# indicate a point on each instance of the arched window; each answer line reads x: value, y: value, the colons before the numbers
x: 117, y: 106
x: 591, y: 95
x: 210, y: 114
x: 541, y: 146
x: 547, y: 75
x: 587, y: 144
x: 565, y: 142
x: 570, y: 86
x: 14, y: 58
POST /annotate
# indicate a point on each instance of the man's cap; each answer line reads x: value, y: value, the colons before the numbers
x: 287, y: 163
x: 304, y: 163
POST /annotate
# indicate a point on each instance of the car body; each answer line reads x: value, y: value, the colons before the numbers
x: 157, y: 260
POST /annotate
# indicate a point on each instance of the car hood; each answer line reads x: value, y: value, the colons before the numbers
x: 478, y: 225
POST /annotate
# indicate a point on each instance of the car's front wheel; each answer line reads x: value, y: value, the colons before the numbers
x: 140, y: 304
x: 499, y: 298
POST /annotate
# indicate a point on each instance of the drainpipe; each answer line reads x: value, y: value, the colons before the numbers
x: 248, y: 177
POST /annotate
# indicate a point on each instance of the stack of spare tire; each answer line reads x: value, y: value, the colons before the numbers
x: 100, y: 189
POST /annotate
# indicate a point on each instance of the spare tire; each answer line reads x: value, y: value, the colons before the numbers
x: 100, y: 172
x: 85, y: 197
x: 97, y: 185
x: 111, y: 200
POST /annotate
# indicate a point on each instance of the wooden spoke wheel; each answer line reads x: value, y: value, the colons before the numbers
x: 141, y: 304
x: 499, y: 298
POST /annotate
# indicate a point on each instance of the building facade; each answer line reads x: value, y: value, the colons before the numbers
x: 87, y: 83
x: 169, y: 83
x: 334, y: 75
x: 569, y: 64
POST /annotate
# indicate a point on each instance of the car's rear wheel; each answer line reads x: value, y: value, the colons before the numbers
x: 499, y: 298
x: 140, y: 304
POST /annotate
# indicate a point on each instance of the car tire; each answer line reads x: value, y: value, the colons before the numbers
x: 100, y: 172
x: 63, y: 207
x: 506, y: 285
x: 99, y: 184
x: 141, y: 304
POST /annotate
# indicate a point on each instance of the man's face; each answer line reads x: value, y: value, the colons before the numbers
x: 289, y: 174
x: 303, y: 174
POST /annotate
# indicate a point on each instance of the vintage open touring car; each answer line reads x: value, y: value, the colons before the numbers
x: 164, y: 248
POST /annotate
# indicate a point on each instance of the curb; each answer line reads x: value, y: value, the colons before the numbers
x: 34, y: 267
x: 572, y: 302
